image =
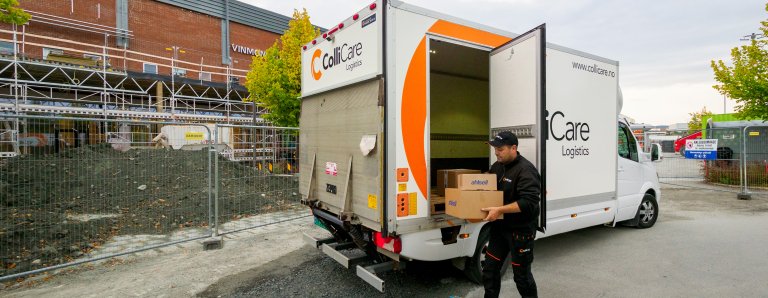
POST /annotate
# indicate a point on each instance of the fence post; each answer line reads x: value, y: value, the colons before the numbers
x: 744, y: 194
x: 216, y: 179
x: 215, y: 241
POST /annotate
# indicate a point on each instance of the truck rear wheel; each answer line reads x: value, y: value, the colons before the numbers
x: 474, y: 266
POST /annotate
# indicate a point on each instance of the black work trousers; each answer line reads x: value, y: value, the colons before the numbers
x: 518, y: 243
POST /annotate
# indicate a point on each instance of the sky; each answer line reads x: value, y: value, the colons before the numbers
x: 664, y: 48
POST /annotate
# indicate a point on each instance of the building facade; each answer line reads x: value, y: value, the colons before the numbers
x: 149, y: 59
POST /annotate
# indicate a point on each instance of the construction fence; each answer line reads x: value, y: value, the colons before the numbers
x: 741, y: 163
x: 76, y: 190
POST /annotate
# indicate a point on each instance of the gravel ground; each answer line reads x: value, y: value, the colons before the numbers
x: 181, y: 270
x: 585, y: 261
x: 679, y: 257
x: 308, y: 273
x: 57, y: 208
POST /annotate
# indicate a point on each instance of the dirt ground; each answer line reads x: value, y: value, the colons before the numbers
x: 186, y: 269
x: 57, y: 208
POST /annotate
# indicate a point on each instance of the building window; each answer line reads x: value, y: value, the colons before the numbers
x: 205, y: 76
x: 6, y: 48
x: 180, y: 72
x: 48, y: 51
x: 150, y: 68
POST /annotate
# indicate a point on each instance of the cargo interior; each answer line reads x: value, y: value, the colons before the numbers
x: 458, y: 108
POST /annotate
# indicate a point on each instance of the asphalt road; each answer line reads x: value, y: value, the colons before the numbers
x: 705, y: 244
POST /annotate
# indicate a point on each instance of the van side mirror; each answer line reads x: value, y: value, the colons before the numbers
x: 656, y: 152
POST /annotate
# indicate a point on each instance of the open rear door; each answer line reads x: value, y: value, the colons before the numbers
x: 518, y: 99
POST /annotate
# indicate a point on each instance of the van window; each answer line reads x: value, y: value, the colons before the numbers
x: 627, y: 144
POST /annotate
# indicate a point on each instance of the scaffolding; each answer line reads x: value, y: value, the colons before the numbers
x: 50, y: 74
x: 98, y: 82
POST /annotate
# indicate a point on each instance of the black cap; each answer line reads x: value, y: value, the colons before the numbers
x: 503, y: 138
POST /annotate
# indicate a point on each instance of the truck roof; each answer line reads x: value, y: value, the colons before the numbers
x: 438, y: 15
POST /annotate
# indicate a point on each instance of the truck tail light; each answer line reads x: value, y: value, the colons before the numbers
x: 392, y: 244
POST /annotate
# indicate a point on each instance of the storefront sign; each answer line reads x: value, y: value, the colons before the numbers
x: 246, y: 50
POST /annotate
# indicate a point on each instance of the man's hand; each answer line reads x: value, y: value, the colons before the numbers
x: 493, y: 213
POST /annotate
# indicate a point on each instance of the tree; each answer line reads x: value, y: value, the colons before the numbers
x: 274, y: 80
x: 10, y: 13
x: 747, y: 80
x: 695, y: 124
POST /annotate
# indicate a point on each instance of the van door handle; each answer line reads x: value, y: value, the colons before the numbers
x: 621, y: 169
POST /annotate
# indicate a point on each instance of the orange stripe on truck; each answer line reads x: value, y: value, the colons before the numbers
x: 414, y: 115
x: 469, y: 34
x: 414, y: 104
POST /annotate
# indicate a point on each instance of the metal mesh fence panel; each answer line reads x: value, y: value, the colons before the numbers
x: 756, y: 162
x: 84, y: 189
x: 722, y: 173
x: 725, y: 171
x: 257, y: 176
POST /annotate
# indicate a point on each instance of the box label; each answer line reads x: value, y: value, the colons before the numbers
x: 477, y: 182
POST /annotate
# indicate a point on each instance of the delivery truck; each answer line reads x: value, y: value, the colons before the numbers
x: 396, y: 93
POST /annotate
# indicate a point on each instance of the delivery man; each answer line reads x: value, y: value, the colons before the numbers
x: 514, y: 234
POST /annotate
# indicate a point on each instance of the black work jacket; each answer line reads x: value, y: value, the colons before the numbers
x: 521, y: 183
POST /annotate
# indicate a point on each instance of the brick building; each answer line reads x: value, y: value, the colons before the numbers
x: 161, y: 59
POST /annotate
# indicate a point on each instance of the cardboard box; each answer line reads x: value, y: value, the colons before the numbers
x: 466, y: 204
x: 449, y: 178
x: 437, y: 205
x: 477, y: 182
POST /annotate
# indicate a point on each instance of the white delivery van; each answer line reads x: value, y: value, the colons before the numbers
x: 396, y: 92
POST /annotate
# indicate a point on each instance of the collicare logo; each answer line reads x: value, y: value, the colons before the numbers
x: 574, y: 134
x: 479, y: 182
x: 316, y: 74
x: 341, y: 54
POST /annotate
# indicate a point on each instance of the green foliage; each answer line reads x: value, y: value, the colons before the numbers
x: 10, y: 13
x: 695, y: 124
x: 747, y: 80
x: 274, y: 81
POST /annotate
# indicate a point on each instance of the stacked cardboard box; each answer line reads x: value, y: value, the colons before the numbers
x: 449, y: 178
x: 472, y: 193
x: 436, y: 204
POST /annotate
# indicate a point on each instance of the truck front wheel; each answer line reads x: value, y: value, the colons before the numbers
x: 474, y: 266
x: 647, y: 212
